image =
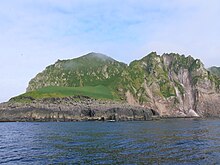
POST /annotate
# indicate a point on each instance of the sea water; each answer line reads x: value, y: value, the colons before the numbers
x: 170, y: 141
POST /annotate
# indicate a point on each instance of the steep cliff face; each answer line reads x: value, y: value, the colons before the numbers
x: 171, y: 84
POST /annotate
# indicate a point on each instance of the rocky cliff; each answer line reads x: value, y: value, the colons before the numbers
x: 170, y: 85
x: 75, y: 108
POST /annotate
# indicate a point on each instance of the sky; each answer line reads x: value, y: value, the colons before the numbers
x: 36, y: 33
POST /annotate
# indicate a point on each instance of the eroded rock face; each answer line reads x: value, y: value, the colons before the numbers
x: 70, y: 109
x: 173, y: 85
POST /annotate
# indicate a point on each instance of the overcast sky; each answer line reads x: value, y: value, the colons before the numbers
x: 35, y: 33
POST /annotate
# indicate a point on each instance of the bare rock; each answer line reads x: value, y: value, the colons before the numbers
x: 192, y: 113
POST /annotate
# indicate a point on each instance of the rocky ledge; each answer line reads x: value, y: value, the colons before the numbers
x: 76, y: 108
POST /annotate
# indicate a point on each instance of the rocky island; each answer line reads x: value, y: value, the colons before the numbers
x: 97, y: 87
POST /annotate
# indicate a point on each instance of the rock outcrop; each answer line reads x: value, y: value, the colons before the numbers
x: 172, y: 84
x: 76, y: 108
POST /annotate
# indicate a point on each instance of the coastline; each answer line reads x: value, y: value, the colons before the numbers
x: 77, y: 108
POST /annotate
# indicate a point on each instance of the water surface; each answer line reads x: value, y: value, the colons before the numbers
x: 176, y: 141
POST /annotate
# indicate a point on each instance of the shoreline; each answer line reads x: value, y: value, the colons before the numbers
x: 106, y: 121
x: 79, y: 108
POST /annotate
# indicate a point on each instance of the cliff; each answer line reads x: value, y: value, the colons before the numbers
x: 75, y: 108
x: 170, y: 85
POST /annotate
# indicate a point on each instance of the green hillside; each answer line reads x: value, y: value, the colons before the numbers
x: 97, y: 92
x: 92, y: 69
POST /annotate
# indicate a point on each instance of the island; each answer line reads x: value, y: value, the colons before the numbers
x: 97, y: 87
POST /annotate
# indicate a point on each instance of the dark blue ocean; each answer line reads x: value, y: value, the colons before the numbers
x: 176, y: 141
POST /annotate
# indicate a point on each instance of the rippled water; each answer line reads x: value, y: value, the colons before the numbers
x: 176, y: 141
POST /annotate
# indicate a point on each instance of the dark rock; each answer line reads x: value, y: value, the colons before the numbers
x: 66, y: 109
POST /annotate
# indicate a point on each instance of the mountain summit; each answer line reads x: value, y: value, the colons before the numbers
x: 97, y: 56
x: 89, y: 70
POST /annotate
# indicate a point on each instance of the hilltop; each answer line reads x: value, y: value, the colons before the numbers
x: 171, y: 85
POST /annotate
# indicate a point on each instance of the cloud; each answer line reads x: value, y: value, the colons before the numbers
x: 194, y: 32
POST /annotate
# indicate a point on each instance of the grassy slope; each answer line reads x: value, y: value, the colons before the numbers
x: 89, y: 70
x: 97, y: 92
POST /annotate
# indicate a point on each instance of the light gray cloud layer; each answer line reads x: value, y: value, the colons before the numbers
x: 37, y: 33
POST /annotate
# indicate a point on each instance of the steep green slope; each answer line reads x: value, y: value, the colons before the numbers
x: 90, y: 70
x: 152, y: 70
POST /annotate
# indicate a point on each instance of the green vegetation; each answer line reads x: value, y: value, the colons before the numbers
x: 215, y: 70
x: 90, y: 70
x: 101, y: 77
x: 97, y: 92
x: 167, y: 90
